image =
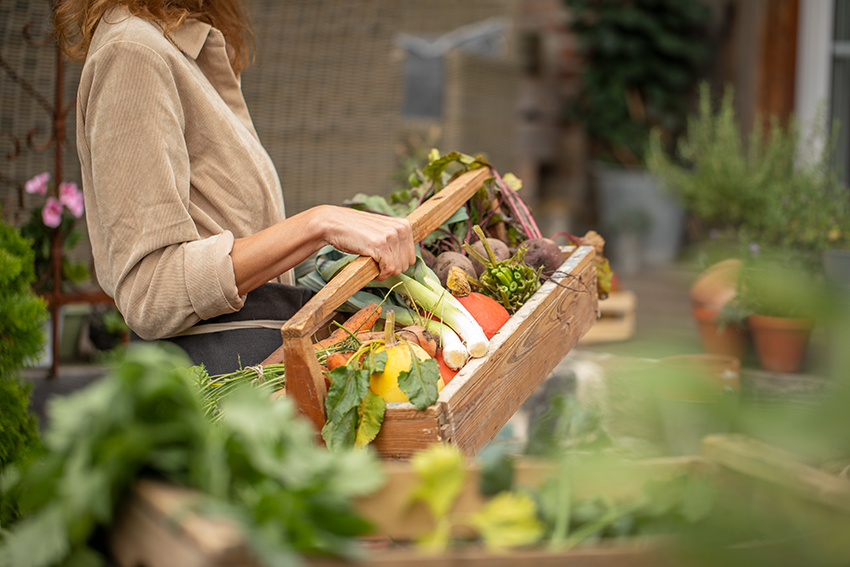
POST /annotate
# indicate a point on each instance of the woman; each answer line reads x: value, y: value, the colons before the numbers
x: 184, y: 207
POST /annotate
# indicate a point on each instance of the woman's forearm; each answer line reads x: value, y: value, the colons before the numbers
x: 265, y: 255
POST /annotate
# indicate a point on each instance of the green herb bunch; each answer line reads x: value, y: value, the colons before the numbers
x: 511, y: 282
x: 258, y: 466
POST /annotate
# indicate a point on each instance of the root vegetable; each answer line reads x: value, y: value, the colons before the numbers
x: 543, y: 252
x: 428, y: 257
x: 363, y: 320
x: 446, y: 260
x: 447, y: 373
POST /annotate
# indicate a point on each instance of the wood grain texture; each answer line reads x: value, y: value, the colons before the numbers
x: 629, y: 554
x: 148, y: 531
x: 406, y: 431
x: 305, y: 383
x: 487, y: 391
x: 522, y: 354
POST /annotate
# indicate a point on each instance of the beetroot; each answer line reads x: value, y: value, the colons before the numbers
x: 543, y: 252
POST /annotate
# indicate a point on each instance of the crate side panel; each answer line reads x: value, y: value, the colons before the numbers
x: 406, y: 431
x: 507, y: 376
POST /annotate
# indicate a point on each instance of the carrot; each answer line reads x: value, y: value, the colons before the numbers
x: 363, y: 320
x: 370, y: 336
x: 337, y: 359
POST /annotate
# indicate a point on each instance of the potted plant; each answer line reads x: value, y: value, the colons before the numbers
x: 781, y: 303
x: 777, y: 191
x: 642, y: 60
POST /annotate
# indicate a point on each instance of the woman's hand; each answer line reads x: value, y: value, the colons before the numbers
x: 388, y: 240
x: 267, y: 254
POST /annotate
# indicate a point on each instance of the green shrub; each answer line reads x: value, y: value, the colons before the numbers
x: 775, y: 188
x: 642, y: 62
x: 21, y: 316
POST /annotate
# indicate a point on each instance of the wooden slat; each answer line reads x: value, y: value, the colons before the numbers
x: 764, y: 462
x: 405, y: 431
x: 616, y: 319
x: 158, y: 528
x: 629, y: 554
x: 524, y: 352
x: 309, y: 390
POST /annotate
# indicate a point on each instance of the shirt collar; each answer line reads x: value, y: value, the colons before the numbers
x: 190, y: 37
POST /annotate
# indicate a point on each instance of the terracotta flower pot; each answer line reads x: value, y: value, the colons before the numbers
x: 730, y: 339
x: 780, y: 342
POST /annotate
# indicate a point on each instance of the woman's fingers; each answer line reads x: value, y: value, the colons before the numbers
x: 388, y: 240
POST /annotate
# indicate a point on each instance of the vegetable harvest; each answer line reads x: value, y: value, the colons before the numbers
x: 491, y: 247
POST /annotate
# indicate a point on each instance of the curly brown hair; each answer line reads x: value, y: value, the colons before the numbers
x: 75, y: 21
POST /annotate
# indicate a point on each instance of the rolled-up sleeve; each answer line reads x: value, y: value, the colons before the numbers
x: 148, y: 252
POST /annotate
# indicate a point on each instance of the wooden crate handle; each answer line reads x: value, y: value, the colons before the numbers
x: 305, y: 383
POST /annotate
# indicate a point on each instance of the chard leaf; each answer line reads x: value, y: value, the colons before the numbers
x: 371, y: 417
x: 348, y: 386
x: 374, y: 361
x: 419, y: 383
x: 339, y: 434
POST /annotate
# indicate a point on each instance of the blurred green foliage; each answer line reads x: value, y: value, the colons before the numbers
x: 258, y: 466
x: 642, y: 59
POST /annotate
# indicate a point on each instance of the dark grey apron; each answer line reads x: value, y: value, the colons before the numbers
x: 229, y: 342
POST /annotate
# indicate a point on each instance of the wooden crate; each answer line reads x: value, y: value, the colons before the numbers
x: 159, y: 525
x: 487, y: 391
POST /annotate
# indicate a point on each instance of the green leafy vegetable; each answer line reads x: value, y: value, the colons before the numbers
x: 257, y: 465
x: 372, y: 411
x: 419, y: 383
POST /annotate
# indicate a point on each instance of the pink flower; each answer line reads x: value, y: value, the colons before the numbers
x: 72, y: 198
x: 51, y: 214
x: 38, y: 184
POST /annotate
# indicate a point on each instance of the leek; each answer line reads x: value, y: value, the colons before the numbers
x: 455, y: 353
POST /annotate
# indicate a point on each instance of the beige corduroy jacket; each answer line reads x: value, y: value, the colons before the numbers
x: 172, y: 171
